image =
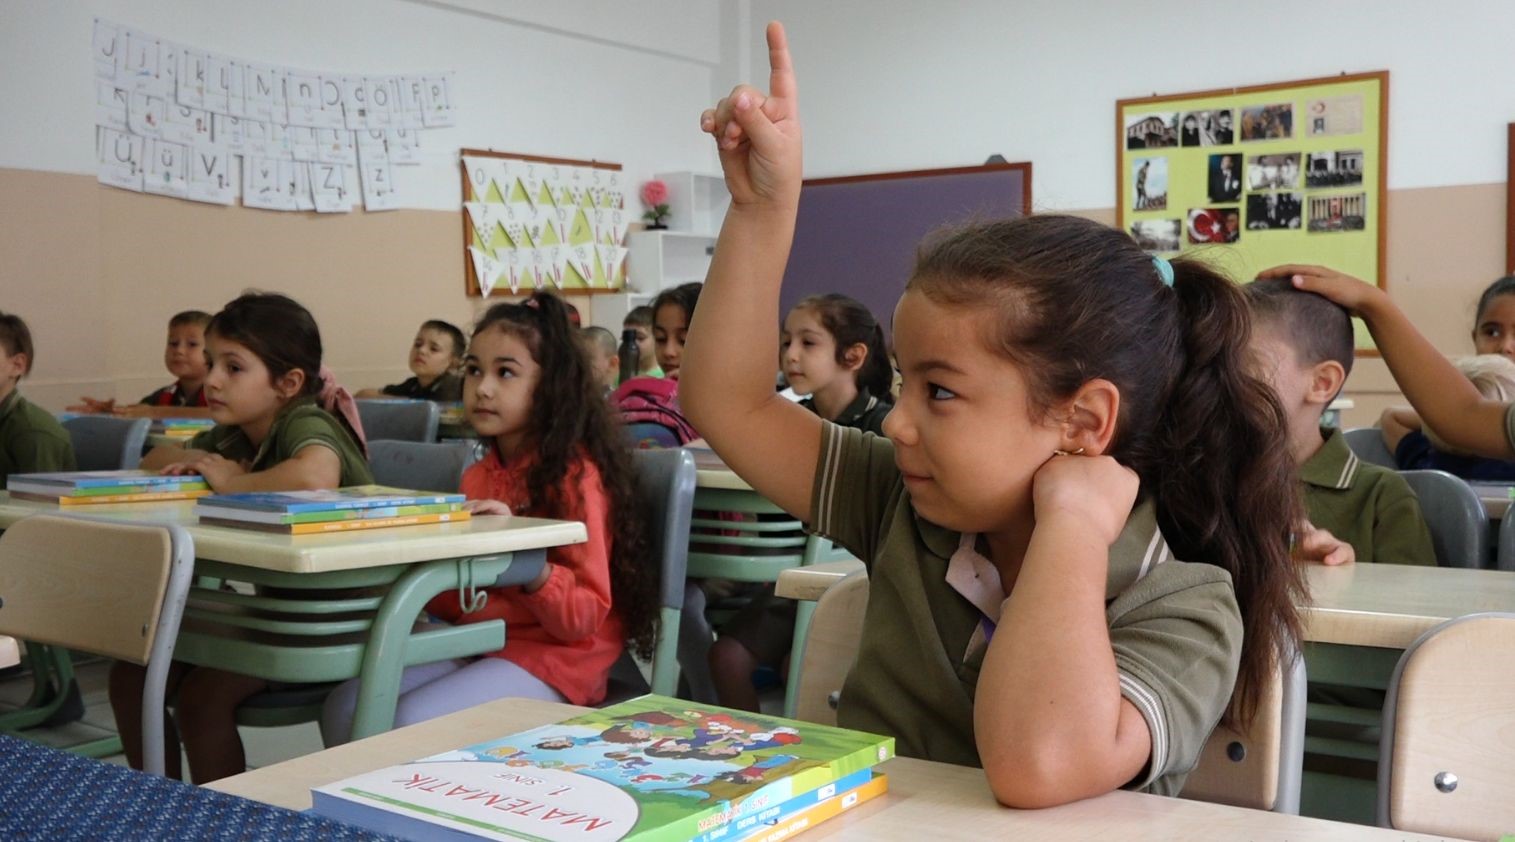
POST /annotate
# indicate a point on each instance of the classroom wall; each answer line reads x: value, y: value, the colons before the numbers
x: 894, y: 85
x: 97, y: 271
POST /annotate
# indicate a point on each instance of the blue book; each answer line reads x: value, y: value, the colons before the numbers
x: 66, y: 480
x: 740, y: 827
x: 329, y: 500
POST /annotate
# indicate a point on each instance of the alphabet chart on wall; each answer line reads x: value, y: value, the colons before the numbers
x: 175, y: 120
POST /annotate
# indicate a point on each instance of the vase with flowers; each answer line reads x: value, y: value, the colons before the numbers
x: 655, y: 198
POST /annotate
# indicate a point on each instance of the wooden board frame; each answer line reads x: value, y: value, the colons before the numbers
x: 1509, y: 203
x: 1023, y: 166
x: 1296, y: 91
x: 470, y: 279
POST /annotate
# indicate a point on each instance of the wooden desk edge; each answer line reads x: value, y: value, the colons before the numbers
x: 808, y: 583
x: 1364, y: 628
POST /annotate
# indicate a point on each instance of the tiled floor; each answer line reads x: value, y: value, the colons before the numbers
x: 265, y: 746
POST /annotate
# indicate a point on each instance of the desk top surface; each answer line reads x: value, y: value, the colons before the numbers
x: 10, y: 652
x: 1495, y: 497
x: 1389, y: 605
x: 483, y: 535
x: 925, y: 800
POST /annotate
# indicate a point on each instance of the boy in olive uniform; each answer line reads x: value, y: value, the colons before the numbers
x: 31, y: 440
x: 1305, y: 346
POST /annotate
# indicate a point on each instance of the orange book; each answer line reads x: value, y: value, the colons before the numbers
x: 812, y: 816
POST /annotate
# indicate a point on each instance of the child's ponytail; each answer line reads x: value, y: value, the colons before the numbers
x: 1222, y: 435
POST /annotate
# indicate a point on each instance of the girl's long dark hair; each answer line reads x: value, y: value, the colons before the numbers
x: 1076, y: 301
x: 283, y: 334
x: 851, y: 323
x: 570, y: 417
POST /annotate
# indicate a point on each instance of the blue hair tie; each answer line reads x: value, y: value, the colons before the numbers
x: 1164, y: 270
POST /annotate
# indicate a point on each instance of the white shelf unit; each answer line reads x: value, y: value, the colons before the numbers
x: 657, y: 260
x: 696, y: 202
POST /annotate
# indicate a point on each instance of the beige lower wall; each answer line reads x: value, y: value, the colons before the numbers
x: 97, y: 271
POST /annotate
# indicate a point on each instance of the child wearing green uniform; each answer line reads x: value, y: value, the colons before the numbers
x: 1075, y: 418
x: 282, y: 424
x: 1304, y: 344
x: 31, y: 439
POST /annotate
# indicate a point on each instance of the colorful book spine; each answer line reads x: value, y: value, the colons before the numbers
x: 116, y: 498
x: 784, y: 828
x: 740, y: 826
x: 192, y: 483
x: 339, y: 525
x: 298, y: 503
x: 246, y: 515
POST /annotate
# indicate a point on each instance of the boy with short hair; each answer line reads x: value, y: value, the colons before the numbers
x: 31, y: 440
x: 640, y: 320
x: 600, y: 347
x: 1305, y: 346
x: 184, y: 357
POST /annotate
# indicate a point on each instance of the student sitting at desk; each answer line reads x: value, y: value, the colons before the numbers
x: 435, y: 357
x: 184, y: 357
x: 281, y: 425
x: 832, y: 349
x: 31, y: 439
x: 640, y: 320
x: 1304, y: 345
x: 555, y: 452
x: 1417, y: 447
x: 1031, y: 618
x: 600, y: 346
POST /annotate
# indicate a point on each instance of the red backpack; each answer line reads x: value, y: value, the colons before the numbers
x: 649, y: 407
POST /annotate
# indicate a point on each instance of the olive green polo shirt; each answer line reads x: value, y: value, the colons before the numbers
x: 298, y: 425
x: 31, y: 439
x: 1368, y: 506
x: 1175, y: 627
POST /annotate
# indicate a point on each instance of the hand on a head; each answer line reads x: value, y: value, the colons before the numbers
x: 1339, y: 287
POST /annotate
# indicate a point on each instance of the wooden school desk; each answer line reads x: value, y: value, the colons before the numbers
x: 925, y: 800
x: 1389, y: 605
x: 10, y: 652
x: 1495, y: 497
x: 367, y: 633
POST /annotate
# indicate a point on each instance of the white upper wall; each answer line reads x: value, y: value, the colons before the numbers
x: 901, y: 84
x: 622, y: 82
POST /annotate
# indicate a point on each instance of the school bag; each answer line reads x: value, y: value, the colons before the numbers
x: 649, y: 407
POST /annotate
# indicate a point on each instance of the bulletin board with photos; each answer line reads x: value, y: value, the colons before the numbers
x: 531, y: 222
x: 1253, y: 177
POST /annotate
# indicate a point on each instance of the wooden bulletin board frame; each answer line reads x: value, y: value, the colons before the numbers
x: 1354, y: 243
x: 470, y: 237
x: 1509, y: 204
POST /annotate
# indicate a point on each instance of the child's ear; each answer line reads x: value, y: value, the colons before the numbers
x: 854, y: 357
x: 1326, y: 380
x: 1088, y: 419
x: 290, y: 384
x: 15, y: 366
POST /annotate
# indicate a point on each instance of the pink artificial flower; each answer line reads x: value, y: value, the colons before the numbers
x: 654, y: 193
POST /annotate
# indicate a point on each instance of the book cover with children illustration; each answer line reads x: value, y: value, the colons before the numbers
x: 651, y: 768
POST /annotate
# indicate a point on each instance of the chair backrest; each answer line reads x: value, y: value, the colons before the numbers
x: 1447, y: 754
x: 665, y: 481
x: 831, y: 644
x: 420, y: 465
x: 1504, y: 556
x: 1262, y: 767
x: 102, y: 586
x: 1367, y: 443
x: 1458, y: 522
x: 399, y: 420
x: 107, y: 443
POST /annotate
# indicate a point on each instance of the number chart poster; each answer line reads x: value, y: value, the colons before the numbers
x: 542, y: 223
x: 1249, y: 178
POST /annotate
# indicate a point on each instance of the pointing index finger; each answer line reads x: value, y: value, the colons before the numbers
x: 781, y: 77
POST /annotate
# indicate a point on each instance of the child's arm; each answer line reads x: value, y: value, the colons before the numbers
x: 1396, y: 422
x: 1319, y: 545
x: 312, y: 467
x: 369, y: 393
x: 164, y: 455
x: 726, y: 384
x: 93, y: 405
x: 1445, y: 399
x: 142, y: 410
x: 1049, y: 718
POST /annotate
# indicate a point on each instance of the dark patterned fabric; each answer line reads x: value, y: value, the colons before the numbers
x: 51, y: 795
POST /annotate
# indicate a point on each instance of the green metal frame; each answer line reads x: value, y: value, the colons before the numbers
x: 52, y: 670
x: 759, y: 550
x: 277, y: 635
x: 1338, y: 796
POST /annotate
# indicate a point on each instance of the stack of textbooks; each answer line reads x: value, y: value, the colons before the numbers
x: 78, y: 488
x: 648, y: 769
x: 334, y: 510
x: 181, y: 428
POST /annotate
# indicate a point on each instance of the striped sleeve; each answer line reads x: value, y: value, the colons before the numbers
x: 855, y: 482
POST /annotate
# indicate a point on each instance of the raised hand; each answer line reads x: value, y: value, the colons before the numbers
x: 758, y: 136
x: 1341, y: 288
